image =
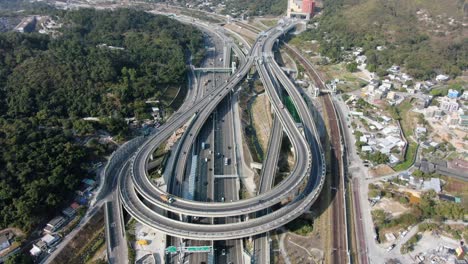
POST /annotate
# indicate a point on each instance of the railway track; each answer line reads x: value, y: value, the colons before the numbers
x: 339, y: 243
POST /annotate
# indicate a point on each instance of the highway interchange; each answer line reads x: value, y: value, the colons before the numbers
x: 141, y: 198
x: 141, y: 184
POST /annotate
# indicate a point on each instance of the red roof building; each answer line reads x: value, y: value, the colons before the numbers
x: 308, y: 7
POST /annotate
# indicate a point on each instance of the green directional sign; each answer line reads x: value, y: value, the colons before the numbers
x: 198, y: 249
x: 171, y: 249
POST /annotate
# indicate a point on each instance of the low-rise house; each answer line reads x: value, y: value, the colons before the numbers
x: 366, y: 149
x: 449, y: 198
x: 391, y: 95
x: 50, y: 240
x: 393, y: 159
x: 75, y: 206
x: 421, y: 130
x: 432, y: 184
x: 4, y: 242
x: 361, y: 59
x: 464, y: 95
x: 453, y: 94
x: 390, y: 130
x: 463, y: 121
x: 453, y: 119
x: 405, y: 176
x: 89, y: 182
x: 423, y: 101
x: 418, y: 86
x: 39, y: 247
x: 448, y: 104
x: 442, y: 78
x: 69, y: 212
x: 386, y: 118
x: 363, y: 139
x: 55, y: 224
x: 394, y: 69
x: 405, y: 77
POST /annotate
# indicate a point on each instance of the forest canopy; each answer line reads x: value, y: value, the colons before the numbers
x: 102, y: 64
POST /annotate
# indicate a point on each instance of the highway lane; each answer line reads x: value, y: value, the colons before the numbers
x: 226, y: 188
x: 207, y: 83
x: 267, y: 176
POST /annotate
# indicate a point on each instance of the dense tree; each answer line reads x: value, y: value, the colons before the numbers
x: 100, y: 65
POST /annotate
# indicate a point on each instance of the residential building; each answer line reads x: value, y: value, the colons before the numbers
x: 463, y: 120
x: 366, y: 149
x: 390, y: 130
x: 69, y: 212
x: 423, y: 101
x: 450, y: 198
x: 453, y: 94
x: 361, y: 59
x: 453, y: 119
x: 55, y: 224
x: 432, y: 184
x: 4, y: 242
x: 464, y: 95
x: 442, y: 78
x: 378, y: 95
x: 50, y: 240
x: 301, y: 8
x: 394, y: 69
x: 393, y: 159
x: 89, y: 182
x: 405, y: 77
x: 391, y: 95
x: 448, y: 104
x: 421, y: 130
x: 39, y: 247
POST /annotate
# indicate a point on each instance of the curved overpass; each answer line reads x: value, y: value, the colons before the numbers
x: 139, y: 182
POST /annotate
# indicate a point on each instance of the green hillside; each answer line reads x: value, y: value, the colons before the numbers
x: 256, y: 8
x: 425, y: 36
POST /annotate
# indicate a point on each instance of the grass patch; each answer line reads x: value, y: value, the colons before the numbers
x: 270, y: 22
x: 408, y: 122
x: 410, y: 155
x: 410, y: 244
x: 130, y: 233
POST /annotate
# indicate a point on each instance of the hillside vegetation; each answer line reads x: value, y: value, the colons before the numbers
x: 256, y: 8
x: 47, y: 85
x: 425, y: 36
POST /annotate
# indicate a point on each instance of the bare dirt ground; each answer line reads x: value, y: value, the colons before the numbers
x: 380, y: 170
x: 304, y: 249
x: 101, y: 254
x: 81, y: 240
x: 261, y: 114
x: 442, y: 132
x: 392, y: 207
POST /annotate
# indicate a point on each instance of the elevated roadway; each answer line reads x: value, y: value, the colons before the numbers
x: 152, y: 194
x: 138, y: 182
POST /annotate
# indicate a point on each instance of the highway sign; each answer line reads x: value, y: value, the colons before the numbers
x: 171, y: 249
x: 198, y: 249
